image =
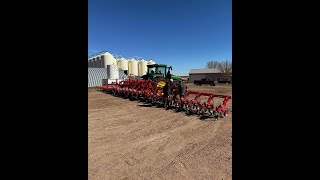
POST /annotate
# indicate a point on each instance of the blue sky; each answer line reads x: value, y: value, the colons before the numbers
x: 182, y: 33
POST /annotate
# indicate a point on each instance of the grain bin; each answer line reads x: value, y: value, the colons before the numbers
x: 133, y: 67
x: 115, y: 62
x: 94, y: 62
x: 107, y: 59
x: 142, y: 67
x: 112, y: 71
x: 98, y: 59
x: 151, y: 62
x: 123, y: 64
x: 139, y: 64
x: 89, y: 62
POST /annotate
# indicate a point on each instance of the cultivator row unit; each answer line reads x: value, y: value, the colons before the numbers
x: 151, y: 92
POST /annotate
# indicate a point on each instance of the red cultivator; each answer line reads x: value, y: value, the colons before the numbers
x: 152, y: 92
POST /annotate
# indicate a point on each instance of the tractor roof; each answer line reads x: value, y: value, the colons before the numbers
x: 157, y: 65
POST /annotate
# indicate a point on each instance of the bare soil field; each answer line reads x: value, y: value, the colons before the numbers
x: 129, y: 141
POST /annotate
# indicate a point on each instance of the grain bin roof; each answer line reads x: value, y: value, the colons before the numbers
x: 202, y: 71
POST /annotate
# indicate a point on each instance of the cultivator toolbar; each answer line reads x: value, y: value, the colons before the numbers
x: 151, y: 92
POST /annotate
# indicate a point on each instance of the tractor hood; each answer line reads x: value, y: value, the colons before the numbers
x: 175, y: 77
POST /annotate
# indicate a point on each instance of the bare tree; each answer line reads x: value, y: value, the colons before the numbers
x: 212, y: 64
x: 225, y: 67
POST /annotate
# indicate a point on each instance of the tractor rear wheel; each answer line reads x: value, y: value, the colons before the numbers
x: 156, y: 79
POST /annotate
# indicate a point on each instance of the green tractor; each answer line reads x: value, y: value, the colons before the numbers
x: 158, y: 72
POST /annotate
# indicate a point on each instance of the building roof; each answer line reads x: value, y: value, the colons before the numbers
x: 202, y: 71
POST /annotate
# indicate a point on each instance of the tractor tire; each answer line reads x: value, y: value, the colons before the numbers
x: 156, y: 79
x: 169, y: 104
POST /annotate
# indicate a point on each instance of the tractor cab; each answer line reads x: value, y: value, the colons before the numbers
x: 158, y: 72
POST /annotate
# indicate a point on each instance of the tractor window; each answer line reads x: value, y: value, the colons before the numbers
x: 160, y: 70
x: 151, y: 70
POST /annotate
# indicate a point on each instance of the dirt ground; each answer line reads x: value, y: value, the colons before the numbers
x: 130, y: 141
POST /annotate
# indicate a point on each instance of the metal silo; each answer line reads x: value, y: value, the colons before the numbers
x: 151, y: 62
x: 113, y: 72
x: 94, y: 62
x: 123, y: 64
x: 142, y: 66
x: 107, y: 59
x: 98, y: 59
x: 133, y: 67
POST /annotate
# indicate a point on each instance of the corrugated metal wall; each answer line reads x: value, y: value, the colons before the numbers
x: 95, y: 76
x: 122, y: 75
